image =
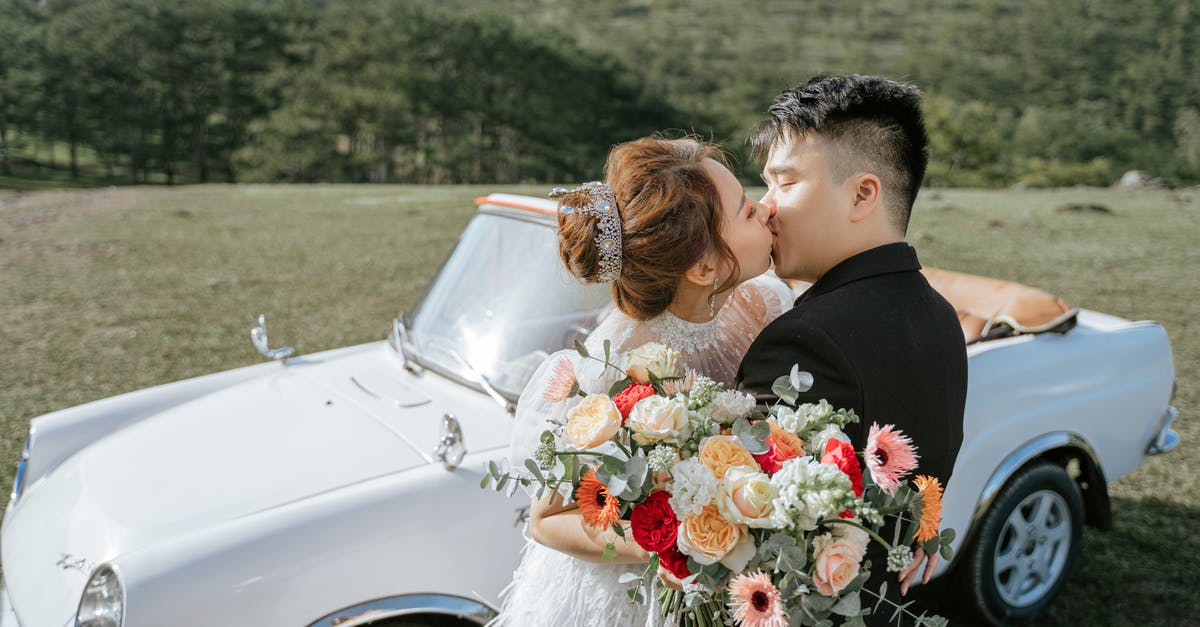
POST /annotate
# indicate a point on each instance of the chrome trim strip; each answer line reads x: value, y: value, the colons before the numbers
x: 408, y: 605
x: 1018, y: 458
x: 22, y: 467
x: 1165, y: 438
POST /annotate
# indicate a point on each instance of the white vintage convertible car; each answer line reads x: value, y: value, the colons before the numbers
x: 343, y: 488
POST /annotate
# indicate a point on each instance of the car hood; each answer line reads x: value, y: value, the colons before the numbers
x: 306, y: 428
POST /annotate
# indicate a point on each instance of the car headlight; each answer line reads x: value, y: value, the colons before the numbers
x: 22, y: 465
x: 103, y: 600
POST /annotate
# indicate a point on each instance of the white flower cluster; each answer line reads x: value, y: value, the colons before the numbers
x: 808, y: 492
x: 702, y: 392
x: 661, y: 457
x: 692, y: 487
x: 729, y: 405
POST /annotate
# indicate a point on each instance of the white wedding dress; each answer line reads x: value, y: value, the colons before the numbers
x: 552, y: 589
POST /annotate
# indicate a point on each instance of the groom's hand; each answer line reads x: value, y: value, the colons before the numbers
x: 908, y: 575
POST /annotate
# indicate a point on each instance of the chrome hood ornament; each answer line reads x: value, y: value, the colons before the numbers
x: 258, y: 335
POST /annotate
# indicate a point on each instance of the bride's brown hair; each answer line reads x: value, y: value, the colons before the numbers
x: 670, y: 219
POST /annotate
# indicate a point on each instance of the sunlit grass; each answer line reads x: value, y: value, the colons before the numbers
x: 107, y: 291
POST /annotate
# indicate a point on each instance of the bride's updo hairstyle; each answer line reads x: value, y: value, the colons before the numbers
x: 670, y: 219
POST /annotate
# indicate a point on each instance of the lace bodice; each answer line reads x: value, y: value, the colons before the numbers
x: 713, y: 349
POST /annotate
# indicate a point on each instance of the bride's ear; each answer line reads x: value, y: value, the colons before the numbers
x: 702, y: 273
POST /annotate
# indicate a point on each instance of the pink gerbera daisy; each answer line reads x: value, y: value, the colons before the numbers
x: 890, y: 456
x: 561, y: 383
x: 755, y: 601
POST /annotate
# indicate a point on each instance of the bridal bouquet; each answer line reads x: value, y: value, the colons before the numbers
x: 765, y: 516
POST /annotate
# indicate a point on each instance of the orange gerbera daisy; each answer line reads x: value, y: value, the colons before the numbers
x: 598, y: 507
x: 930, y: 490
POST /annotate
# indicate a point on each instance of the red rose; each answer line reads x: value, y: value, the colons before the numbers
x: 773, y: 459
x: 630, y: 396
x: 654, y: 523
x: 842, y: 455
x: 675, y: 562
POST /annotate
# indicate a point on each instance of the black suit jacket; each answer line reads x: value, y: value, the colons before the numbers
x: 879, y: 340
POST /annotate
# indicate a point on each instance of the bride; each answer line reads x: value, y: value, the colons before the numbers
x: 686, y: 251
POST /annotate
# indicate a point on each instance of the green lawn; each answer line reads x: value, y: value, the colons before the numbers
x: 111, y: 290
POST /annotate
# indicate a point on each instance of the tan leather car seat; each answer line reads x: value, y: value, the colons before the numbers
x: 992, y: 308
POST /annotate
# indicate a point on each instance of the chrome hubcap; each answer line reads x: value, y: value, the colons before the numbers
x: 1031, y: 552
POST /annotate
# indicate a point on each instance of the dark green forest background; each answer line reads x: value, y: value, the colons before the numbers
x: 1032, y: 92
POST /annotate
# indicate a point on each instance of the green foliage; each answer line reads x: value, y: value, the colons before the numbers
x: 537, y: 90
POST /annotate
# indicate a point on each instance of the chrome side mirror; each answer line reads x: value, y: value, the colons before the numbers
x: 450, y: 449
x: 258, y: 335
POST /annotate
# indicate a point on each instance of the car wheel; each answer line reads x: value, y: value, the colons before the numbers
x: 1025, y: 547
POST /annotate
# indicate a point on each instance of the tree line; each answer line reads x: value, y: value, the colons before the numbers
x: 1039, y: 92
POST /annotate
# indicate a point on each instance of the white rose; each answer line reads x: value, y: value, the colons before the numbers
x: 729, y: 405
x: 651, y: 358
x: 747, y: 496
x: 656, y: 418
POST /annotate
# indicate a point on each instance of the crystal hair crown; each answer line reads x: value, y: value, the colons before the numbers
x: 602, y: 205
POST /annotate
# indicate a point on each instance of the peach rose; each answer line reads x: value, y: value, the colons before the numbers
x: 836, y: 561
x: 722, y: 452
x: 746, y: 497
x: 592, y: 422
x: 708, y: 537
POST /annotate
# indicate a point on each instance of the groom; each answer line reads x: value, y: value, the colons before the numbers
x: 844, y: 157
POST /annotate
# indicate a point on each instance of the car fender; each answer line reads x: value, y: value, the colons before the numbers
x: 299, y: 562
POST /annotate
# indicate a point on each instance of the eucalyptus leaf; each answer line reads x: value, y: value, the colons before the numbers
x: 800, y: 380
x: 483, y: 483
x: 581, y: 349
x: 947, y: 552
x: 629, y: 577
x: 533, y: 468
x: 784, y: 390
x: 636, y: 470
x: 947, y: 536
x: 500, y: 482
x: 610, y: 552
x: 792, y: 558
x: 617, y: 484
x: 607, y: 349
x: 848, y: 605
x: 513, y: 487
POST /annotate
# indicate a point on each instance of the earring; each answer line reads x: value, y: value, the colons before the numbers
x: 712, y: 302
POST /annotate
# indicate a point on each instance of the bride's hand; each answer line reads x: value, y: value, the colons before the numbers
x: 670, y: 580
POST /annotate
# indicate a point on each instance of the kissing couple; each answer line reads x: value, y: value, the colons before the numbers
x: 688, y: 254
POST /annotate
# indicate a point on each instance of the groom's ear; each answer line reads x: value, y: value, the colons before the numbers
x: 866, y: 197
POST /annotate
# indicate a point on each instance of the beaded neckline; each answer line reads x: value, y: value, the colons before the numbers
x: 685, y: 336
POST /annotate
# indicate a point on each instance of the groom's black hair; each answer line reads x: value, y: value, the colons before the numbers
x: 874, y: 123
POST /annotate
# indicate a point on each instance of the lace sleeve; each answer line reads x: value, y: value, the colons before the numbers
x: 763, y: 299
x: 539, y: 409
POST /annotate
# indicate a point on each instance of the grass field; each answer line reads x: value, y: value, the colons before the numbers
x: 110, y: 290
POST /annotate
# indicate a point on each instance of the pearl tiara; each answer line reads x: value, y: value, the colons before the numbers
x: 602, y: 205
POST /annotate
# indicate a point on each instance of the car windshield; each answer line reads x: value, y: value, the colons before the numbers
x: 502, y: 302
